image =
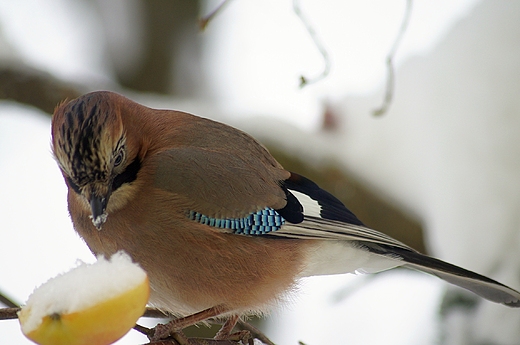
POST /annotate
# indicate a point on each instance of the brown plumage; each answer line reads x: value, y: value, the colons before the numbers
x: 196, y: 204
x: 147, y: 217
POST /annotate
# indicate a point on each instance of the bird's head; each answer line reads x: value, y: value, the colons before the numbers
x: 90, y: 145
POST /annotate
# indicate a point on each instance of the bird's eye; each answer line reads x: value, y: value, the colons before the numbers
x: 119, y: 158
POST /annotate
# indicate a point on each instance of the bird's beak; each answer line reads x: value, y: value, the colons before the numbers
x: 97, y: 206
x: 97, y: 198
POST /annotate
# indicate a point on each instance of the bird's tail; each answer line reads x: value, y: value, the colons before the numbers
x: 479, y: 284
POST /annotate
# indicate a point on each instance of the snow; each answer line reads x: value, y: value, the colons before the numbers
x: 395, y: 307
x: 82, y: 287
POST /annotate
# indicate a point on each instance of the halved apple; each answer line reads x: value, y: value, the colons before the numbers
x: 92, y: 304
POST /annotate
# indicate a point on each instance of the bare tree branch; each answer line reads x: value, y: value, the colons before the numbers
x: 194, y: 341
x: 390, y: 78
x: 9, y: 313
x: 304, y: 81
x: 24, y: 84
x: 204, y: 21
x: 7, y: 301
x: 255, y: 332
x: 244, y: 326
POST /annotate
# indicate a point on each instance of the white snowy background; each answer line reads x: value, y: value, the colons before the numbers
x: 448, y: 151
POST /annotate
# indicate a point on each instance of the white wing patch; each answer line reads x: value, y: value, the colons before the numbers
x: 310, y: 206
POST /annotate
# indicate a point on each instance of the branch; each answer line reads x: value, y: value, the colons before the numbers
x: 255, y: 332
x: 24, y: 84
x: 9, y: 313
x: 7, y: 301
x: 180, y: 338
x: 304, y: 81
x: 194, y: 341
x: 390, y: 78
x: 204, y: 21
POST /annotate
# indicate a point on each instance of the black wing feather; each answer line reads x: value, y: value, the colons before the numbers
x: 331, y: 207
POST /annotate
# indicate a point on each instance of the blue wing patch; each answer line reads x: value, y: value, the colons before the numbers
x: 259, y: 223
x: 268, y: 220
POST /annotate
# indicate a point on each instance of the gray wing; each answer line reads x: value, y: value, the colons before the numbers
x: 383, y: 245
x: 229, y: 188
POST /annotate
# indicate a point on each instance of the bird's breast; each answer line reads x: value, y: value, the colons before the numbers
x: 192, y: 266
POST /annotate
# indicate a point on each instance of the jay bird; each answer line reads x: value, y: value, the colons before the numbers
x: 221, y: 228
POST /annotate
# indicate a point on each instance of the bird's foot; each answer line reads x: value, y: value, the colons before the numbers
x: 160, y: 331
x: 176, y: 326
x: 227, y: 328
x: 164, y: 333
x: 225, y: 332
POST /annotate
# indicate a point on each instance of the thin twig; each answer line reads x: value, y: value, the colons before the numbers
x: 194, y: 341
x: 204, y: 21
x: 9, y: 313
x: 7, y: 301
x: 255, y: 332
x: 143, y: 330
x: 390, y: 78
x: 180, y: 338
x: 317, y: 42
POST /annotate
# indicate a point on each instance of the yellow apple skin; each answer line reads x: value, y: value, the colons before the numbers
x: 100, y: 324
